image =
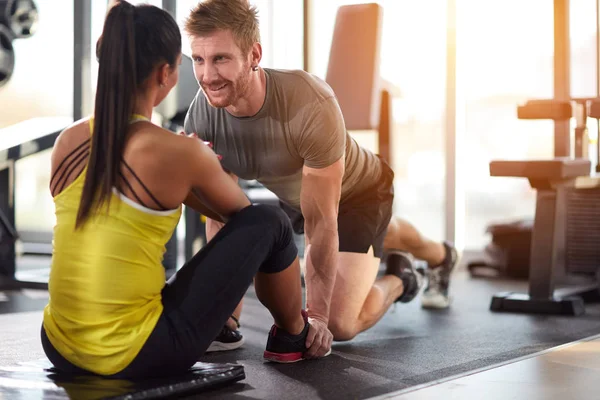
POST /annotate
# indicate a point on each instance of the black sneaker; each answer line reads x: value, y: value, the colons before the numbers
x: 436, y: 293
x: 227, y: 339
x: 401, y: 265
x: 283, y: 347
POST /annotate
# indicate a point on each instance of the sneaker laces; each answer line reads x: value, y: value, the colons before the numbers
x: 435, y: 277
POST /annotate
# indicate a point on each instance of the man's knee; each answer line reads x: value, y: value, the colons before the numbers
x: 343, y: 329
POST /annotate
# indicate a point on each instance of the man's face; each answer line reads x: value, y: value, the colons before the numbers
x: 221, y: 69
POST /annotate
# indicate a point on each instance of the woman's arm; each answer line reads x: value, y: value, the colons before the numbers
x: 212, y: 191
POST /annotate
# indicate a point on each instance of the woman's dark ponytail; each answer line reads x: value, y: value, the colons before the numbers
x: 134, y: 41
x: 115, y: 100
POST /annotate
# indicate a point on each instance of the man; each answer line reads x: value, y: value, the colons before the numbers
x: 286, y: 130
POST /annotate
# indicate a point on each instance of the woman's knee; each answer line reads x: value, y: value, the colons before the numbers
x: 272, y: 217
x: 276, y: 224
x: 266, y: 213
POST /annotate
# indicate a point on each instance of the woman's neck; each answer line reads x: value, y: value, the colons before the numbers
x: 144, y: 106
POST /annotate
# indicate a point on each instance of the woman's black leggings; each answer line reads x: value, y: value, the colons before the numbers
x: 202, y: 295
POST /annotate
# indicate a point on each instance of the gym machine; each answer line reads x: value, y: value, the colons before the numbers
x: 18, y: 20
x: 566, y: 226
x: 558, y: 224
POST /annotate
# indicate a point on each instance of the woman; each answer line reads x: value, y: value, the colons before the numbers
x: 118, y: 183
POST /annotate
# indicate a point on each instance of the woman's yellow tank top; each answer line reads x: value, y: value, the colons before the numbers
x: 105, y: 279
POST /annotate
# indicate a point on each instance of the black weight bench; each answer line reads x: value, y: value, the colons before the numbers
x: 17, y: 142
x: 551, y: 178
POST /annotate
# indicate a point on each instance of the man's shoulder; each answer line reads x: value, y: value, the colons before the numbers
x: 199, y: 114
x: 199, y: 102
x: 301, y: 82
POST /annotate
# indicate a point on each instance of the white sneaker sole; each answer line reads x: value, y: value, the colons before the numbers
x: 220, y: 346
x: 436, y: 301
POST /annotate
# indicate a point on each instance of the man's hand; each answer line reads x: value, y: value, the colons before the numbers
x: 318, y: 340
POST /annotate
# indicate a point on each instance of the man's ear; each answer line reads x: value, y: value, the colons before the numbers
x: 256, y: 53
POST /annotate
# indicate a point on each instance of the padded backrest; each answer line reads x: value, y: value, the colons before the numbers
x: 353, y: 69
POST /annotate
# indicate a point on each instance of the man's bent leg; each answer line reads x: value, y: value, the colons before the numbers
x: 441, y: 259
x: 402, y: 235
x: 359, y: 300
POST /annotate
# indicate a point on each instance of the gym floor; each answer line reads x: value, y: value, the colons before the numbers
x: 461, y: 353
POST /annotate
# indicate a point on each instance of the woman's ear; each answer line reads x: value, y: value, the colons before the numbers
x: 163, y: 74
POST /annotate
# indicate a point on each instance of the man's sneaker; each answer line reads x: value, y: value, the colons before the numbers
x: 283, y: 347
x: 227, y: 339
x: 402, y: 265
x: 436, y: 293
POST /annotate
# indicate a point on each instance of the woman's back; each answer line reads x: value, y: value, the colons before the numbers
x: 106, y: 278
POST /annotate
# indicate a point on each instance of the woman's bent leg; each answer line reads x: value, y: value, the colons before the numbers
x: 200, y: 297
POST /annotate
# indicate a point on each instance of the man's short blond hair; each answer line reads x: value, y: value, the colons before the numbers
x: 238, y: 16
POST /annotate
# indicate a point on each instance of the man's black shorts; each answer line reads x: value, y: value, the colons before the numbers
x: 362, y: 219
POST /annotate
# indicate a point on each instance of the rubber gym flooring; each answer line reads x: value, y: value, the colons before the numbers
x: 409, y: 347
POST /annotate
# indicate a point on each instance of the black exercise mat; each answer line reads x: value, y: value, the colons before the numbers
x: 408, y: 347
x: 38, y: 380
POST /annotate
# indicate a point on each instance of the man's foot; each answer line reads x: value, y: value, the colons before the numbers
x: 283, y: 347
x: 228, y: 339
x: 402, y: 265
x: 436, y: 294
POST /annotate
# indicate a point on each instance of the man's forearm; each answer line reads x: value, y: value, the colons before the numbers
x: 321, y: 256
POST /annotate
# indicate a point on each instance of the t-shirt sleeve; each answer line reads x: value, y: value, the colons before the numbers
x: 322, y: 140
x: 189, y: 124
x: 194, y: 117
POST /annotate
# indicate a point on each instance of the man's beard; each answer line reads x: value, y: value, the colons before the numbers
x: 234, y: 90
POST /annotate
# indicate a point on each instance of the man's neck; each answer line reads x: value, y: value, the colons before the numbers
x: 254, y: 98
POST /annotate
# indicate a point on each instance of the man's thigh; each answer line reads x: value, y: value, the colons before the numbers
x: 363, y: 226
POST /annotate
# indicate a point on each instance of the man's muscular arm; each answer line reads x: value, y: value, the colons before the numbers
x: 320, y: 196
x: 321, y: 142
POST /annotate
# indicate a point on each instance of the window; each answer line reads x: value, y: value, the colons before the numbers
x: 506, y: 58
x: 42, y: 82
x: 584, y: 74
x: 413, y: 52
x: 281, y: 36
x: 42, y: 85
